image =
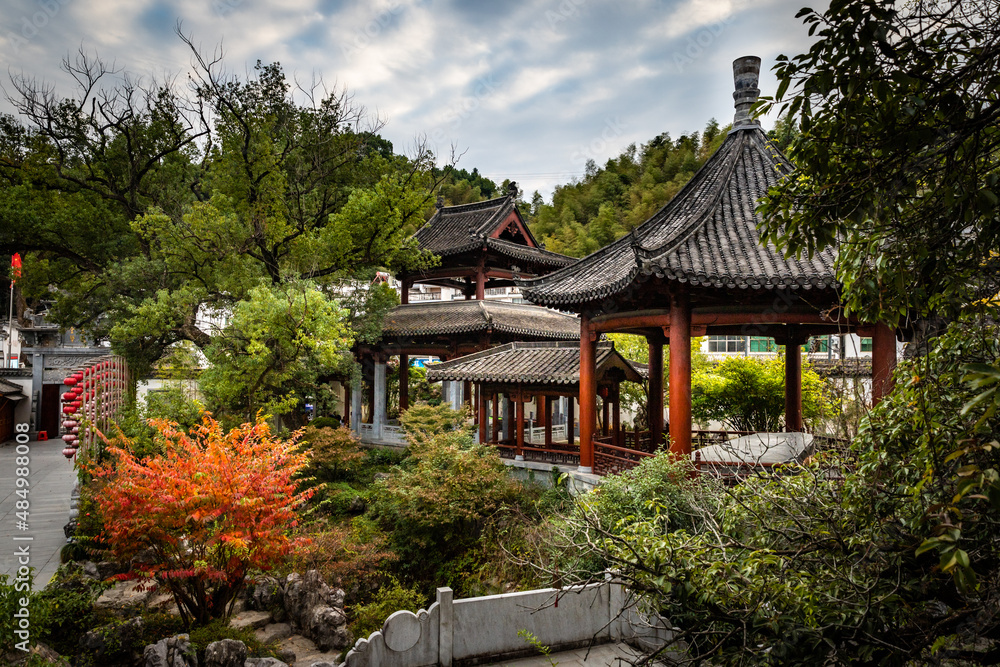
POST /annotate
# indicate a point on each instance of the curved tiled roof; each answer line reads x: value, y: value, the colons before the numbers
x: 530, y: 363
x: 461, y: 317
x: 457, y: 229
x: 706, y: 235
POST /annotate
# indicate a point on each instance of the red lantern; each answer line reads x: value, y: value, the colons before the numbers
x: 68, y: 409
x: 68, y: 396
x: 70, y: 381
x: 69, y: 452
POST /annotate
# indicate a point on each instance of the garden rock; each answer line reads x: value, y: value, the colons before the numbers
x: 124, y: 594
x: 328, y: 628
x: 287, y: 654
x: 264, y: 662
x: 250, y: 619
x: 107, y: 640
x: 303, y: 593
x: 266, y: 594
x: 225, y: 653
x: 358, y: 505
x: 274, y: 632
x: 173, y: 651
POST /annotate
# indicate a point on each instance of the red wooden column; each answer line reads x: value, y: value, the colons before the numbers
x: 588, y: 394
x: 570, y: 421
x: 793, y: 383
x: 883, y: 361
x: 519, y: 425
x: 480, y: 282
x: 483, y: 422
x: 404, y: 382
x: 404, y: 292
x: 496, y: 417
x: 547, y: 415
x: 680, y: 375
x: 654, y: 404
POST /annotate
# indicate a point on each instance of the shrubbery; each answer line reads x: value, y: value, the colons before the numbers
x: 214, y: 506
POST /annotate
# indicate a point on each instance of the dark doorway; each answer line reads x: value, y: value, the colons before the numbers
x: 6, y: 419
x: 48, y: 420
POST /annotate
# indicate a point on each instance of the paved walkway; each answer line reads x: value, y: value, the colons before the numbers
x: 608, y: 655
x: 52, y: 478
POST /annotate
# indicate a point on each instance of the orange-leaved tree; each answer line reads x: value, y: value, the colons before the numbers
x: 212, y: 507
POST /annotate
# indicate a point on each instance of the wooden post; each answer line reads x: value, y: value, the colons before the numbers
x: 547, y: 415
x: 483, y: 422
x: 680, y: 375
x: 883, y: 362
x: 793, y: 384
x: 467, y: 392
x: 519, y: 425
x: 588, y: 395
x: 404, y: 292
x: 654, y: 404
x: 480, y: 282
x: 404, y: 382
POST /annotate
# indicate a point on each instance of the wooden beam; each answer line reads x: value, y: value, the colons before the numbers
x: 655, y: 319
x: 680, y: 375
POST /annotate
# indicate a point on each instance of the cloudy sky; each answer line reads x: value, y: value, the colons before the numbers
x: 527, y: 89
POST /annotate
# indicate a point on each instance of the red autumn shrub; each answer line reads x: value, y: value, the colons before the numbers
x: 212, y: 507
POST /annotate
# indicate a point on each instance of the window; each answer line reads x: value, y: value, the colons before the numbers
x: 819, y: 344
x: 726, y: 343
x: 866, y: 344
x: 762, y: 344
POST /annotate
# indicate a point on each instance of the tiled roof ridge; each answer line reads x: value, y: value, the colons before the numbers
x: 475, y: 206
x: 731, y: 158
x: 521, y: 251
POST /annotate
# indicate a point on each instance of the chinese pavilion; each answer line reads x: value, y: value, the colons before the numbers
x: 481, y: 246
x: 699, y: 266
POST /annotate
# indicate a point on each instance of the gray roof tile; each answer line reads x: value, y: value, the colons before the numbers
x: 706, y: 235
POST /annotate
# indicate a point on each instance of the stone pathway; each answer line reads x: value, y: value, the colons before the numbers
x: 608, y: 655
x: 52, y: 478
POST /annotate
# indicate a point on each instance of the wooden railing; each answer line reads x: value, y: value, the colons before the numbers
x: 556, y: 454
x: 610, y: 459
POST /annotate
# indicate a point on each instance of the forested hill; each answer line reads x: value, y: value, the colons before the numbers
x: 608, y: 201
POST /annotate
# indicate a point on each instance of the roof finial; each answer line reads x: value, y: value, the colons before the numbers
x: 746, y: 72
x: 512, y: 189
x: 440, y: 202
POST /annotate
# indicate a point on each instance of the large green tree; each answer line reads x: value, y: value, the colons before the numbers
x: 153, y: 214
x: 897, y: 158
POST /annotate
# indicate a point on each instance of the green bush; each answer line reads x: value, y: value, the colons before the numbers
x: 437, y: 505
x: 367, y: 618
x: 629, y: 496
x: 336, y: 452
x: 325, y: 422
x: 220, y: 629
x: 748, y: 394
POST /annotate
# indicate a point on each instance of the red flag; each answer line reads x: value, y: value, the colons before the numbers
x: 15, y: 264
